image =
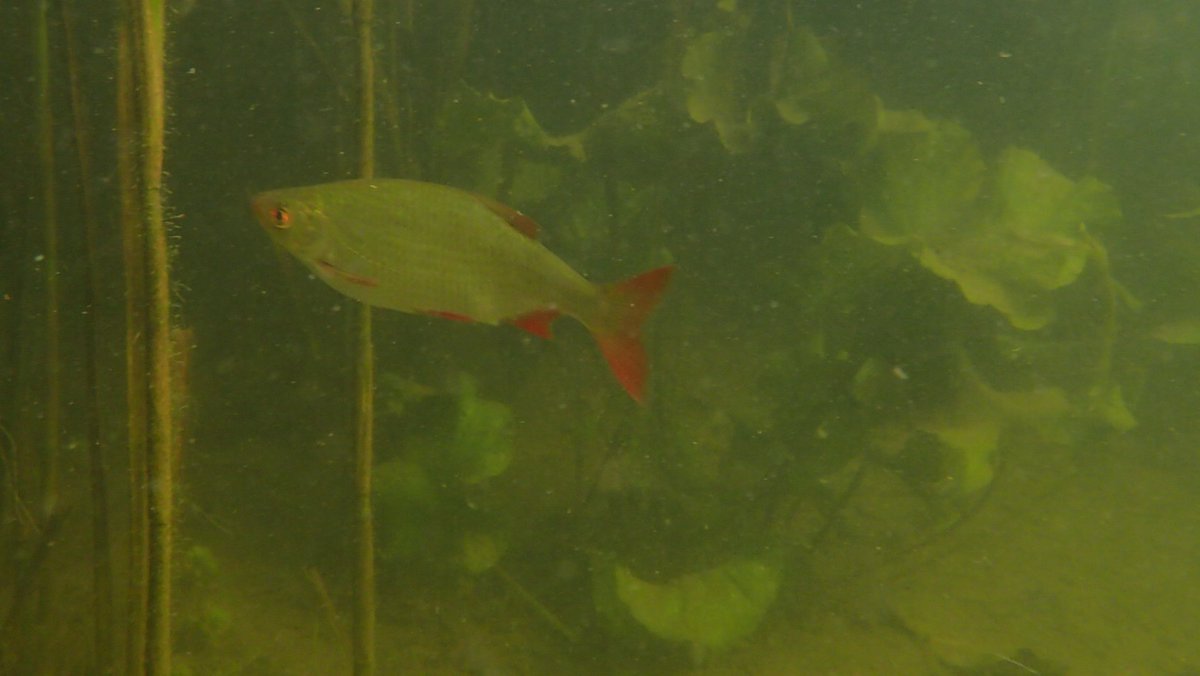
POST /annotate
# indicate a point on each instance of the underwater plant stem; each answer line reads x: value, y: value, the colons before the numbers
x: 331, y: 616
x: 364, y: 452
x: 364, y: 16
x: 150, y: 20
x: 136, y: 388
x: 318, y: 53
x: 1109, y: 336
x: 540, y: 608
x: 460, y: 45
x: 1101, y: 96
x: 52, y: 339
x: 835, y: 512
x: 47, y: 510
x: 102, y: 583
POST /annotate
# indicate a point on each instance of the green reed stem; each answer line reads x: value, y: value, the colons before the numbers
x: 136, y: 386
x: 102, y: 583
x: 364, y: 579
x: 149, y: 20
x: 53, y: 352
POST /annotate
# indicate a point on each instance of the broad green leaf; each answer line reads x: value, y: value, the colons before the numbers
x: 483, y: 437
x: 1109, y: 403
x: 711, y: 71
x: 711, y: 609
x: 925, y: 188
x: 479, y: 551
x: 482, y: 139
x: 1006, y: 236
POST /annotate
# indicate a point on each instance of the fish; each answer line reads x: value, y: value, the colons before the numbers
x: 433, y: 249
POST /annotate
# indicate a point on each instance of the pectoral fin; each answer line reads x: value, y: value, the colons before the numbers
x: 331, y: 269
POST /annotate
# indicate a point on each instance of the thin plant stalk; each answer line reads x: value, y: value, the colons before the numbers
x: 331, y: 616
x: 364, y: 18
x: 136, y: 387
x: 364, y: 451
x: 460, y: 47
x: 102, y: 602
x: 396, y: 104
x: 52, y: 406
x: 52, y: 339
x: 150, y: 20
x: 364, y: 578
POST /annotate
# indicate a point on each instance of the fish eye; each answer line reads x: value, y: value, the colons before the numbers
x: 280, y: 217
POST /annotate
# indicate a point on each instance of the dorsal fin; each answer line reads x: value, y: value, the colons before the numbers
x: 519, y: 221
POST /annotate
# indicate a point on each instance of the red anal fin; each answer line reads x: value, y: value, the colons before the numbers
x: 347, y: 276
x: 618, y: 332
x: 517, y: 220
x: 537, y: 322
x: 452, y: 316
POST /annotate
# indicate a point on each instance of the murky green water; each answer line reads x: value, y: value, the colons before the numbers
x: 923, y: 387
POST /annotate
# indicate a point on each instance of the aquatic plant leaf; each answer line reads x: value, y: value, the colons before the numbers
x: 902, y: 121
x: 483, y: 437
x: 971, y: 426
x: 1180, y: 332
x: 973, y: 438
x: 799, y: 76
x: 710, y: 609
x: 963, y: 267
x: 404, y: 499
x: 402, y: 481
x: 926, y: 187
x: 479, y: 551
x: 711, y: 71
x: 638, y: 140
x: 1194, y: 213
x: 1043, y: 214
x: 1109, y: 403
x: 200, y: 565
x: 1033, y: 240
x: 398, y: 392
x: 731, y: 81
x: 533, y: 181
x: 481, y: 138
x: 809, y: 87
x: 1026, y: 238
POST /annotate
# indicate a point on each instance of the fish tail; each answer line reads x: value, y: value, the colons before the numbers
x: 628, y: 304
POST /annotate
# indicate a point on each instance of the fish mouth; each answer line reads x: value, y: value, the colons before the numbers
x: 261, y: 207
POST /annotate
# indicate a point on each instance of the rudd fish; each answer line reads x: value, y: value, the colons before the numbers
x: 436, y: 250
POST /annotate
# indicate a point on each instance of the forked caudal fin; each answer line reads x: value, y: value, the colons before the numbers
x: 618, y: 332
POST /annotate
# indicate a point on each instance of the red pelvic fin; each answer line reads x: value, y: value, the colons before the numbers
x: 537, y: 322
x: 452, y: 316
x: 619, y: 332
x: 515, y: 219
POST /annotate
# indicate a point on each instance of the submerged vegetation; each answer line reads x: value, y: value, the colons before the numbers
x: 880, y: 311
x: 727, y: 144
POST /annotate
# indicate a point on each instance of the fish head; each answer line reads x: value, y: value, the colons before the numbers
x: 293, y: 223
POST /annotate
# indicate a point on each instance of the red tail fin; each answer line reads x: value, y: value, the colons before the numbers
x: 618, y: 332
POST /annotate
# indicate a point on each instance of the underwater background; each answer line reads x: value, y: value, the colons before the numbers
x: 923, y: 393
